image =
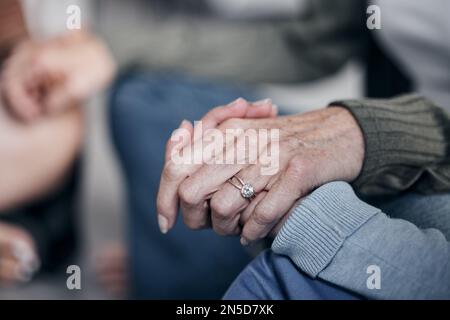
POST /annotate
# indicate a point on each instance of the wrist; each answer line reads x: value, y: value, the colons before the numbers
x: 354, y: 142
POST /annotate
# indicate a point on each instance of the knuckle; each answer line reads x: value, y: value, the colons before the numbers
x: 221, y: 208
x: 218, y: 229
x: 187, y: 194
x: 193, y: 224
x: 222, y: 230
x: 172, y: 171
x: 249, y: 234
x: 262, y: 216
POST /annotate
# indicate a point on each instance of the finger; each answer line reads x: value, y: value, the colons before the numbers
x: 167, y: 199
x: 195, y: 216
x: 239, y: 108
x: 16, y: 243
x: 262, y: 109
x: 232, y: 226
x: 11, y: 272
x: 236, y: 109
x: 24, y: 252
x: 174, y: 189
x: 280, y: 224
x: 225, y: 221
x: 227, y: 202
x: 171, y: 144
x: 41, y: 81
x: 212, y: 178
x: 193, y: 193
x: 173, y: 175
x: 245, y: 215
x: 59, y: 98
x: 19, y: 101
x: 278, y: 201
x: 204, y: 182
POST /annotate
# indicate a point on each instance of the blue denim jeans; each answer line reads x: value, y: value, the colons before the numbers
x: 184, y: 264
x: 275, y: 277
x: 272, y: 276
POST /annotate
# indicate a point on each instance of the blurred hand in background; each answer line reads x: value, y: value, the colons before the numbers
x: 42, y: 78
x: 18, y: 257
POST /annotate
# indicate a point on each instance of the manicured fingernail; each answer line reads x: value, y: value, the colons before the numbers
x: 244, y: 241
x: 237, y: 102
x: 184, y: 124
x: 262, y: 102
x: 163, y: 224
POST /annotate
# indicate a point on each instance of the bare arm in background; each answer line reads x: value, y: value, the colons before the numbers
x: 35, y: 157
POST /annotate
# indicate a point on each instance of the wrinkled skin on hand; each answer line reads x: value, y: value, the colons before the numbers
x: 314, y: 148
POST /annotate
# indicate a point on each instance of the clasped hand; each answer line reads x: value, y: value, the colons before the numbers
x: 313, y: 148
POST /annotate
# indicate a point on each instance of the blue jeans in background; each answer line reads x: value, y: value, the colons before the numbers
x: 272, y: 276
x: 275, y: 277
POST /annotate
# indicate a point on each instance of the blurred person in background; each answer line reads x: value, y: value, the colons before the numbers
x: 37, y: 169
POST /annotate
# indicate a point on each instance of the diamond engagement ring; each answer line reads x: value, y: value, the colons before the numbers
x: 247, y: 190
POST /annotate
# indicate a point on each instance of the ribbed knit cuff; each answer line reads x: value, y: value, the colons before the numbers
x: 400, y: 134
x: 318, y: 227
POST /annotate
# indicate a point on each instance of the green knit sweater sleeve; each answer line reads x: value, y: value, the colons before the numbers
x: 406, y: 145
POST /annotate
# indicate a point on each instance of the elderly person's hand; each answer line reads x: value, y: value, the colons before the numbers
x: 314, y: 148
x: 44, y: 77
